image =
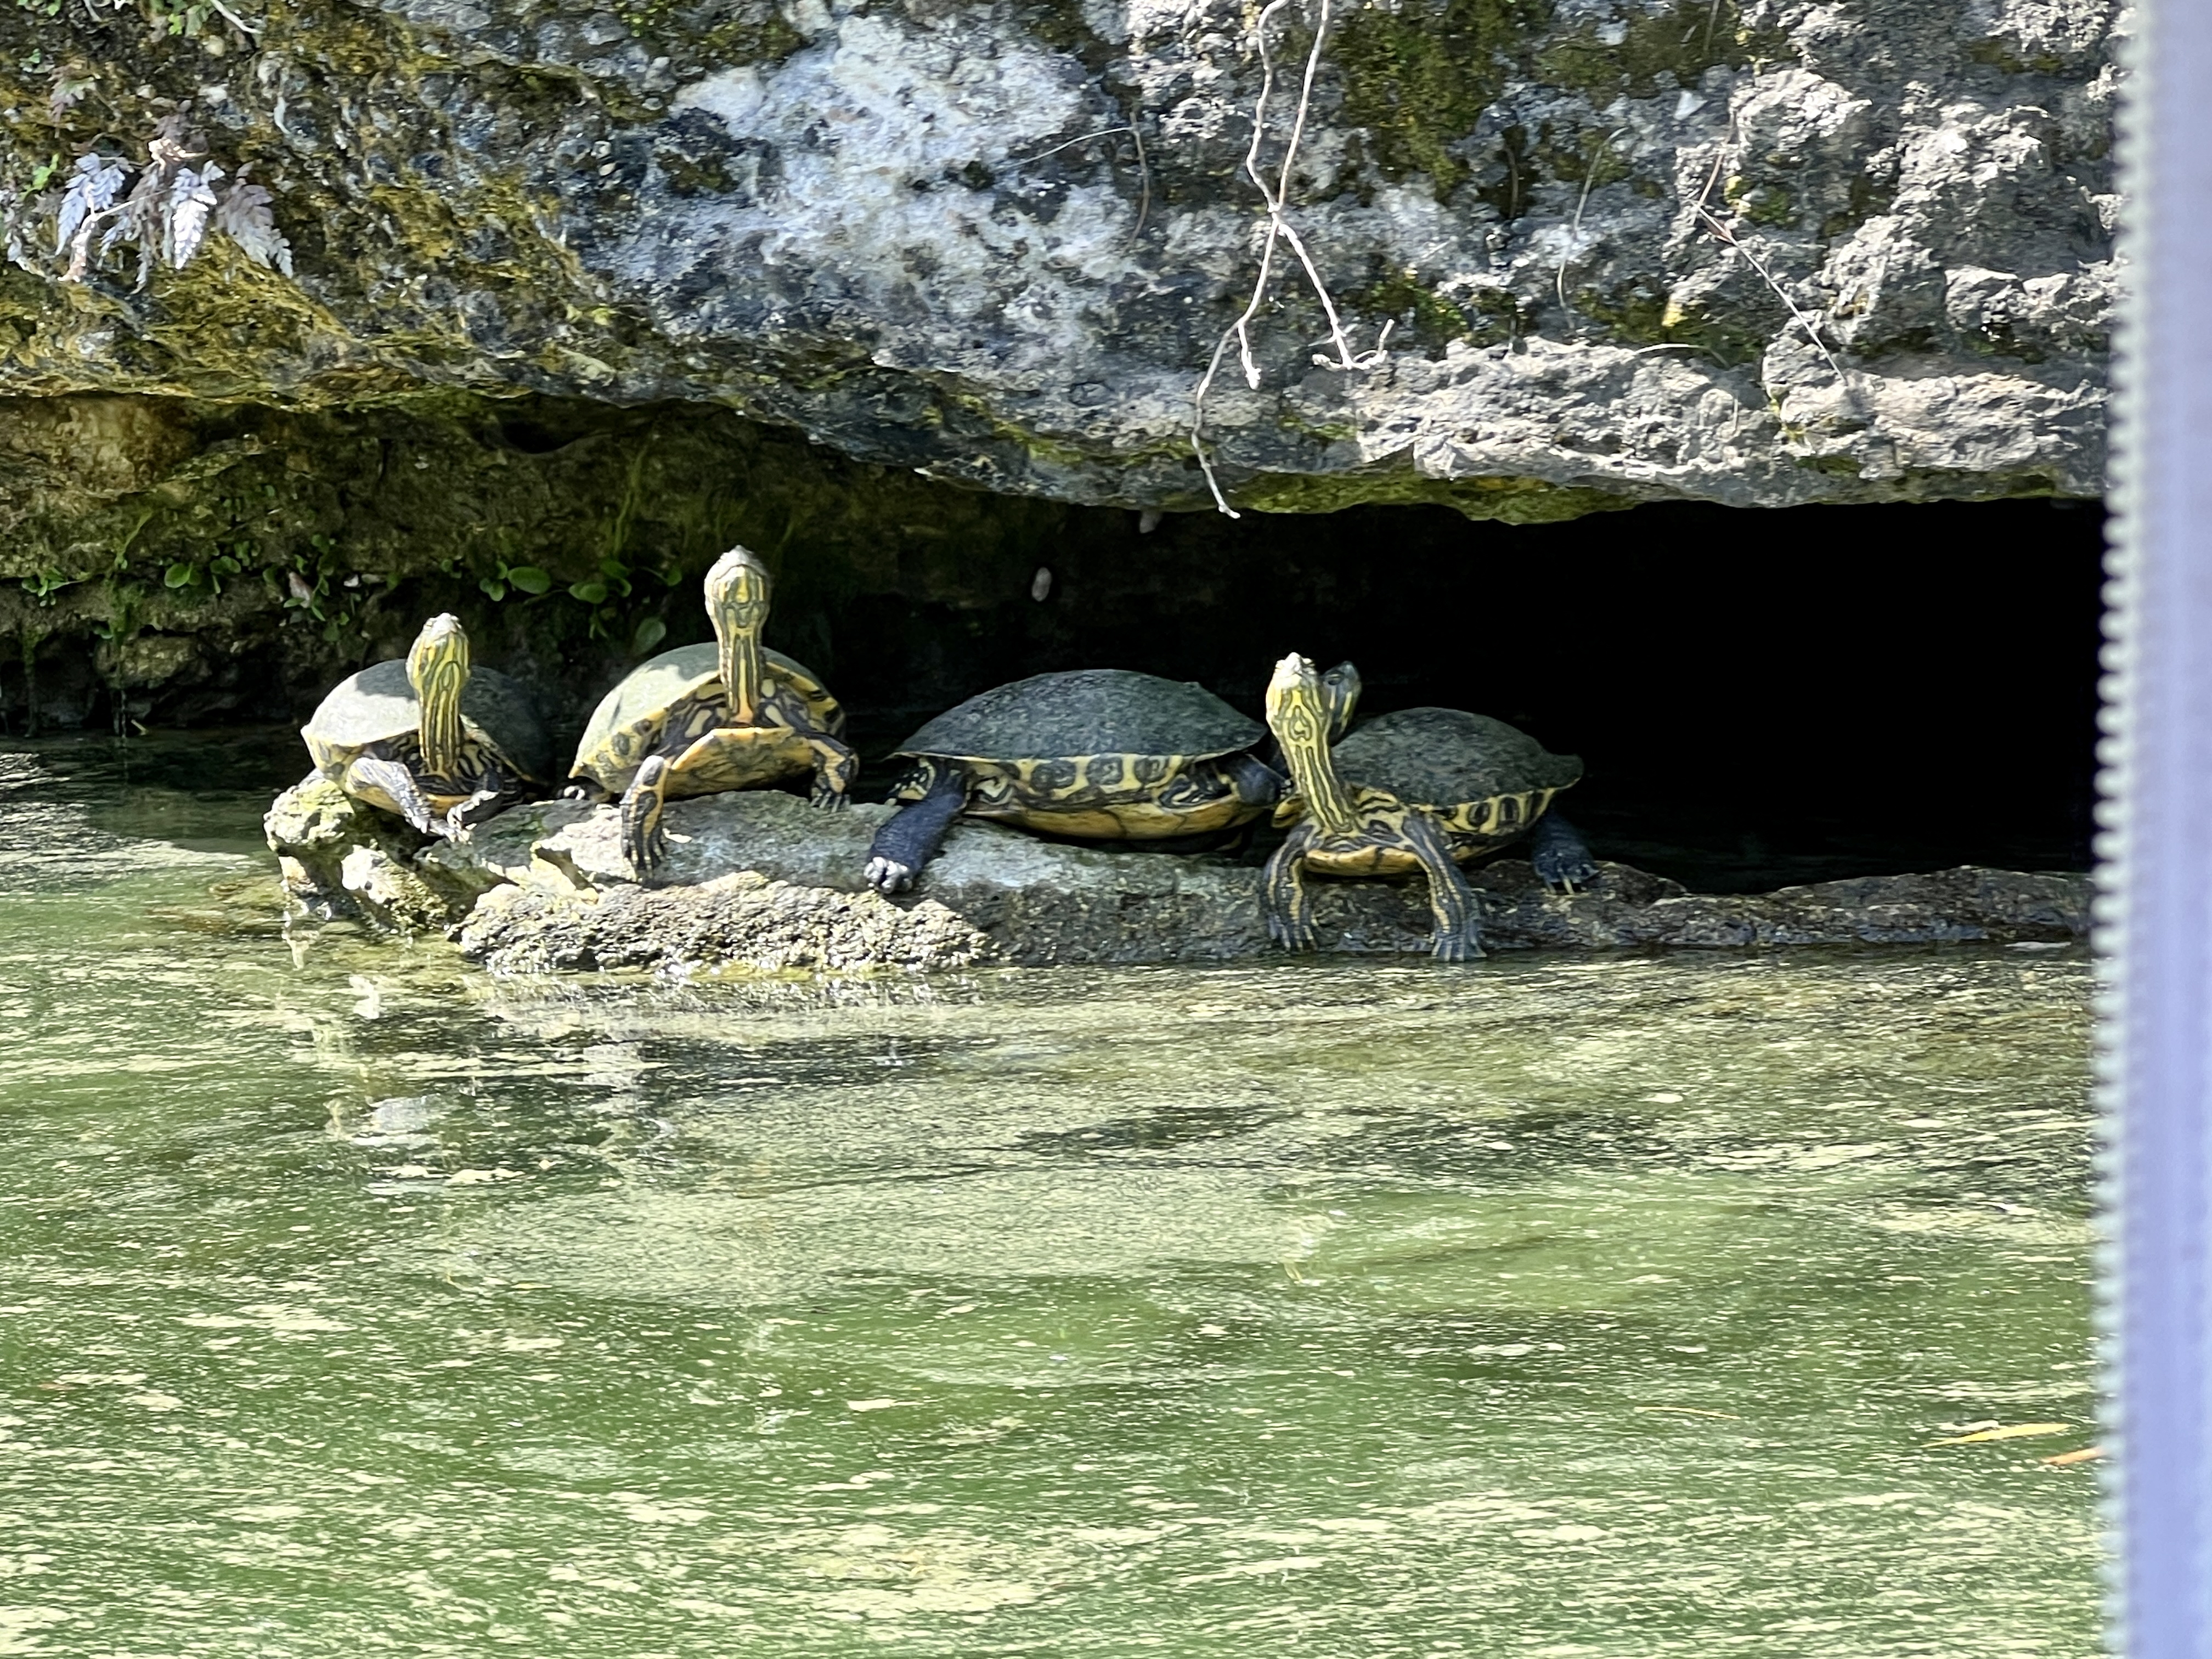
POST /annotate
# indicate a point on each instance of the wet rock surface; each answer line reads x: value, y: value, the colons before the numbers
x: 763, y: 882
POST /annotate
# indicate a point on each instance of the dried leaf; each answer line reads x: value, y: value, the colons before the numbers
x: 2005, y: 1431
x: 243, y: 216
x: 72, y: 82
x: 92, y: 191
x: 186, y: 212
x: 2081, y: 1455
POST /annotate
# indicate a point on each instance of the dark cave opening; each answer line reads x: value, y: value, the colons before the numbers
x: 1760, y: 696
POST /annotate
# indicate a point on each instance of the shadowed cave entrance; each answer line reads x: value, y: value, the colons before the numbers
x: 1760, y: 697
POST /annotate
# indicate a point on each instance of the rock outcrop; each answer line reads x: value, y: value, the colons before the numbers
x: 761, y: 882
x: 1753, y: 251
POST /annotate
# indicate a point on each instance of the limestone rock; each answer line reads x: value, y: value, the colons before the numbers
x: 394, y: 896
x: 764, y: 881
x: 998, y: 241
x: 740, y: 920
x: 339, y: 857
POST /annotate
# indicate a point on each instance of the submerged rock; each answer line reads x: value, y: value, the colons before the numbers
x: 763, y: 882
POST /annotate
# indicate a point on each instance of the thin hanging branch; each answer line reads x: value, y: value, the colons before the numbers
x: 1275, y: 196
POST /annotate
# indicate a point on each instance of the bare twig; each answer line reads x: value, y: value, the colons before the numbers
x: 1103, y: 132
x: 236, y: 21
x: 1144, y: 182
x: 1724, y: 234
x: 1144, y: 168
x: 1574, y: 231
x: 1275, y: 196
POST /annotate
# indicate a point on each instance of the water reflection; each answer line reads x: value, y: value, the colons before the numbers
x: 1559, y: 1307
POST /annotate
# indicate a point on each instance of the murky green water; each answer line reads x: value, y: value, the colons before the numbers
x: 1536, y: 1308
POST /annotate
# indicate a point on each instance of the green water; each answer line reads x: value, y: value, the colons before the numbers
x: 1563, y: 1307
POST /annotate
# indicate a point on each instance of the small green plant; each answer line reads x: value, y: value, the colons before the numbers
x: 613, y: 578
x: 650, y: 632
x: 45, y: 584
x: 208, y: 574
x: 522, y: 578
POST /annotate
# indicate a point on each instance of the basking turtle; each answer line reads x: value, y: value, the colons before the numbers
x: 1094, y: 754
x: 1423, y: 789
x: 429, y: 736
x: 706, y: 718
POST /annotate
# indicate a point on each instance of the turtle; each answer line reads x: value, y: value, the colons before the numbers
x: 705, y: 718
x: 441, y: 743
x: 1424, y: 789
x: 1088, y: 754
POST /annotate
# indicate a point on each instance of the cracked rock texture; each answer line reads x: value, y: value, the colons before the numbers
x: 1752, y: 251
x: 762, y: 882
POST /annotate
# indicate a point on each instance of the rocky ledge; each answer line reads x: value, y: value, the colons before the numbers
x: 762, y: 882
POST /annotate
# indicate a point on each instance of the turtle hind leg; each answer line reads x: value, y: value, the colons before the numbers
x: 1451, y: 901
x: 494, y: 793
x: 1560, y: 854
x: 1284, y: 896
x: 644, y: 843
x: 1256, y: 783
x: 911, y: 838
x: 397, y: 784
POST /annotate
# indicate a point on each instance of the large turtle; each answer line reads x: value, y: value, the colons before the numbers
x: 706, y: 718
x: 442, y: 743
x: 1425, y: 789
x: 1091, y: 754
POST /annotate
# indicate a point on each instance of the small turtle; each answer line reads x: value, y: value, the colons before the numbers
x: 443, y: 744
x: 703, y: 718
x: 1423, y: 789
x: 1093, y: 754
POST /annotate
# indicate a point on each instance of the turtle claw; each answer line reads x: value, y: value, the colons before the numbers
x: 827, y: 801
x: 889, y: 876
x: 1562, y: 858
x: 1460, y: 946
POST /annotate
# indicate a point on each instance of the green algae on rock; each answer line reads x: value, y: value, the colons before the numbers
x: 998, y: 241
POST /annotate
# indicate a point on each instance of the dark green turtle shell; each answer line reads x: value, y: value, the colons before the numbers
x: 1443, y: 757
x: 1085, y: 712
x: 378, y: 705
x: 629, y: 720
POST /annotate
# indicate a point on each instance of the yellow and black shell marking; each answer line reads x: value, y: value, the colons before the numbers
x: 1484, y: 783
x: 374, y: 716
x: 1102, y: 754
x: 675, y: 706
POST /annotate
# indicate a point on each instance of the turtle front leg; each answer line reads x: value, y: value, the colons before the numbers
x: 835, y: 763
x: 1451, y: 901
x: 1284, y: 896
x: 911, y: 838
x: 644, y: 843
x: 397, y: 784
x: 1560, y: 854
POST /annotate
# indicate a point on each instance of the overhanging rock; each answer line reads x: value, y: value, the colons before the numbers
x: 1754, y: 253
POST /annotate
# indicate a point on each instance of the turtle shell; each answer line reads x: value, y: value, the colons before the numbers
x: 1442, y: 756
x: 635, y: 710
x: 378, y: 705
x: 1083, y: 712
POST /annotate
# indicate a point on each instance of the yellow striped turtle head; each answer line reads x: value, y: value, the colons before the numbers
x: 738, y: 590
x: 437, y: 669
x: 1299, y: 710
